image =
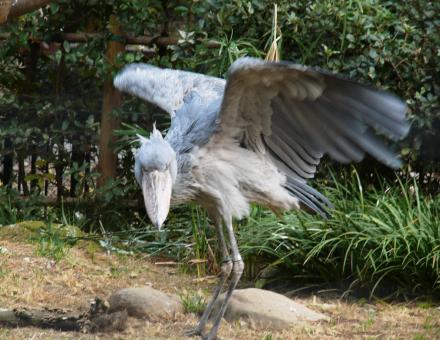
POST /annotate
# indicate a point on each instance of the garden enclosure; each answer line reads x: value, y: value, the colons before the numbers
x: 67, y: 135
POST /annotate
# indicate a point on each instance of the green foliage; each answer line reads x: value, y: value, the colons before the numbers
x: 376, y: 237
x: 54, y: 241
x: 192, y: 301
x: 393, y: 45
x: 13, y: 209
x: 186, y: 239
x: 199, y: 221
x: 51, y: 246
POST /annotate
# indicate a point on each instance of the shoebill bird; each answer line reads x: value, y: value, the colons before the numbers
x: 256, y: 137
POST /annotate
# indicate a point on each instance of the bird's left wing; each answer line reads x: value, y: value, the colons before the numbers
x: 296, y: 114
x: 166, y: 88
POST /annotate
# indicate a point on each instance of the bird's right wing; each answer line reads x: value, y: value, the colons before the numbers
x: 166, y: 88
x: 294, y: 115
x: 298, y: 114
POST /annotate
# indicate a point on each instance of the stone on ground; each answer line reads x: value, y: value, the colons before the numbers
x: 145, y: 302
x: 265, y: 309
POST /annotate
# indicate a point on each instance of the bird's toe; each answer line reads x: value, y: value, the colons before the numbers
x: 210, y: 337
x: 196, y: 331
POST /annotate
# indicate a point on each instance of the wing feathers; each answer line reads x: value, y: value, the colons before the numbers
x: 310, y: 197
x: 300, y: 113
x: 372, y: 116
x: 290, y: 158
x: 166, y: 88
x: 311, y: 112
x: 295, y: 113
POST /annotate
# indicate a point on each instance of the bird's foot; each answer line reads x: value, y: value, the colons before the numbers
x: 197, y: 331
x: 210, y: 337
x: 194, y: 331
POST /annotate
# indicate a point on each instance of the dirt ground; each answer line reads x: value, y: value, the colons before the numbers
x: 86, y: 272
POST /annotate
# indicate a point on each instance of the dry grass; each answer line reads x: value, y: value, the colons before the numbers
x: 86, y: 272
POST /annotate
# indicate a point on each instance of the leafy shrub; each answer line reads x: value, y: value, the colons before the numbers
x: 14, y: 209
x: 388, y: 236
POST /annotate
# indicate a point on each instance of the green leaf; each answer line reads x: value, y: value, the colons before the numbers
x: 66, y: 46
x: 350, y: 37
x: 373, y: 54
x: 54, y: 7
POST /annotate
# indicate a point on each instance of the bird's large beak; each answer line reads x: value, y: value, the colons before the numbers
x: 156, y: 188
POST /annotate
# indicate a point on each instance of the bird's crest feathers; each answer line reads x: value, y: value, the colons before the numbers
x: 154, y: 134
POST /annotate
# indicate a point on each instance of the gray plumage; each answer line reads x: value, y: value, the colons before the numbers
x: 259, y: 136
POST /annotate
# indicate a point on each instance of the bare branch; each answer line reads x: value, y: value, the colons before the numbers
x: 21, y: 7
x: 81, y: 37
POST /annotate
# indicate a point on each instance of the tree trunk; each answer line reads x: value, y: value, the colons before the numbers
x: 5, y: 7
x: 112, y: 99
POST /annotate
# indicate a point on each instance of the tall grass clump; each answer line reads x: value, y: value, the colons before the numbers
x: 385, y: 237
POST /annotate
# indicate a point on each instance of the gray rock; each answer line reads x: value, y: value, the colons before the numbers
x: 145, y: 302
x: 265, y: 309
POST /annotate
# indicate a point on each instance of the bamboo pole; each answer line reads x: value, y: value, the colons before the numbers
x: 274, y: 54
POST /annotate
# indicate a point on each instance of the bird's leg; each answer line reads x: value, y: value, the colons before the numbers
x: 237, y: 271
x: 226, y: 268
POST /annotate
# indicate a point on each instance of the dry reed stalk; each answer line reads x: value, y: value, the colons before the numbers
x: 274, y: 54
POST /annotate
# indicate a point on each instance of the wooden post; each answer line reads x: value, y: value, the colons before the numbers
x: 112, y: 100
x: 5, y: 7
x: 22, y: 184
x: 8, y: 162
x: 60, y: 161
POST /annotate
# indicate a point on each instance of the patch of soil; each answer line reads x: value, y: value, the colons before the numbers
x: 35, y: 282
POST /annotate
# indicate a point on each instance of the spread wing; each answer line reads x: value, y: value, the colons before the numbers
x: 166, y: 88
x: 295, y: 114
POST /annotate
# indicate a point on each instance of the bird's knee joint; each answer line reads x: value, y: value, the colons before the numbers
x: 238, y: 268
x: 226, y: 267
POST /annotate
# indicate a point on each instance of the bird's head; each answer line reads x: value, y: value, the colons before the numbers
x: 155, y: 170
